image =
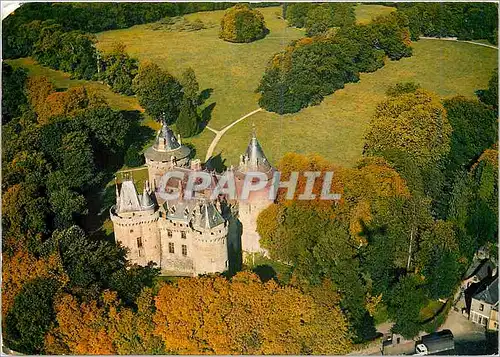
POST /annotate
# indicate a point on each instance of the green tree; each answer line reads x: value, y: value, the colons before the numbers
x: 296, y: 13
x: 490, y: 95
x: 31, y: 316
x: 190, y: 86
x: 159, y: 93
x: 406, y: 301
x: 401, y: 88
x: 323, y: 17
x: 474, y: 130
x: 118, y: 69
x: 108, y: 128
x: 67, y: 205
x: 77, y: 160
x: 187, y: 123
x: 13, y: 81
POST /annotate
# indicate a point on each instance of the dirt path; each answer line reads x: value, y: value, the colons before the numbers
x: 219, y: 133
x: 457, y: 40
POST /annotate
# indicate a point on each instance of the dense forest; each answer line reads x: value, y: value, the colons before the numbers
x: 467, y: 21
x: 413, y: 211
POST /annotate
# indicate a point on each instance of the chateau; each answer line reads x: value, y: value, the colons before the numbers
x: 188, y: 237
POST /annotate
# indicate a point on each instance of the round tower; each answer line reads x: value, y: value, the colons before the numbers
x: 166, y: 153
x: 210, y: 231
x: 254, y: 160
x: 135, y: 221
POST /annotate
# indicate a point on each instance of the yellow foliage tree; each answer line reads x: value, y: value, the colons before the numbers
x: 240, y: 23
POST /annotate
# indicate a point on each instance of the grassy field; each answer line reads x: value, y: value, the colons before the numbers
x: 336, y: 127
x: 366, y: 12
x: 232, y: 70
x: 430, y: 310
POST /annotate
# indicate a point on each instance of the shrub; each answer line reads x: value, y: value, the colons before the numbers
x: 242, y: 24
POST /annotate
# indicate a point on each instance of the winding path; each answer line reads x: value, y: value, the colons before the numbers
x: 219, y: 133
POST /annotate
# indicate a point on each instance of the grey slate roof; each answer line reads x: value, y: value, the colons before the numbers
x: 146, y: 201
x: 489, y: 293
x: 166, y: 146
x: 209, y: 216
x: 180, y: 210
x: 479, y: 268
x: 203, y: 215
x: 254, y: 159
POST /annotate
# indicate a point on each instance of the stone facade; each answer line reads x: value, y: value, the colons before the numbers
x: 185, y: 238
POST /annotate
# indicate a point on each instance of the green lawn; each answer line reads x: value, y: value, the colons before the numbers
x: 336, y: 127
x: 232, y: 70
x: 366, y: 12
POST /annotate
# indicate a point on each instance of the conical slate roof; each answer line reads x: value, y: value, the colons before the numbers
x: 146, y: 201
x: 167, y: 134
x: 254, y: 159
x: 166, y: 146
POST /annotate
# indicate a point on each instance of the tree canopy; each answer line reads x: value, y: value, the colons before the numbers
x: 240, y: 23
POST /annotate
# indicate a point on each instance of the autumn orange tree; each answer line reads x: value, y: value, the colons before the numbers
x: 246, y: 316
x: 325, y: 239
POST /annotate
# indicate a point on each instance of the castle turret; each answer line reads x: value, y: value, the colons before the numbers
x: 253, y: 160
x: 210, y: 239
x: 135, y: 224
x: 166, y: 153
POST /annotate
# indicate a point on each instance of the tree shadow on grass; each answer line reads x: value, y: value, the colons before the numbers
x: 206, y: 115
x: 216, y: 163
x: 138, y: 134
x: 192, y: 148
x: 204, y: 95
x: 235, y: 230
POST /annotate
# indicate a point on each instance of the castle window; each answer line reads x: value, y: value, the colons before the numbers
x: 171, y: 247
x: 139, y: 242
x: 184, y: 250
x: 169, y: 233
x: 183, y: 235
